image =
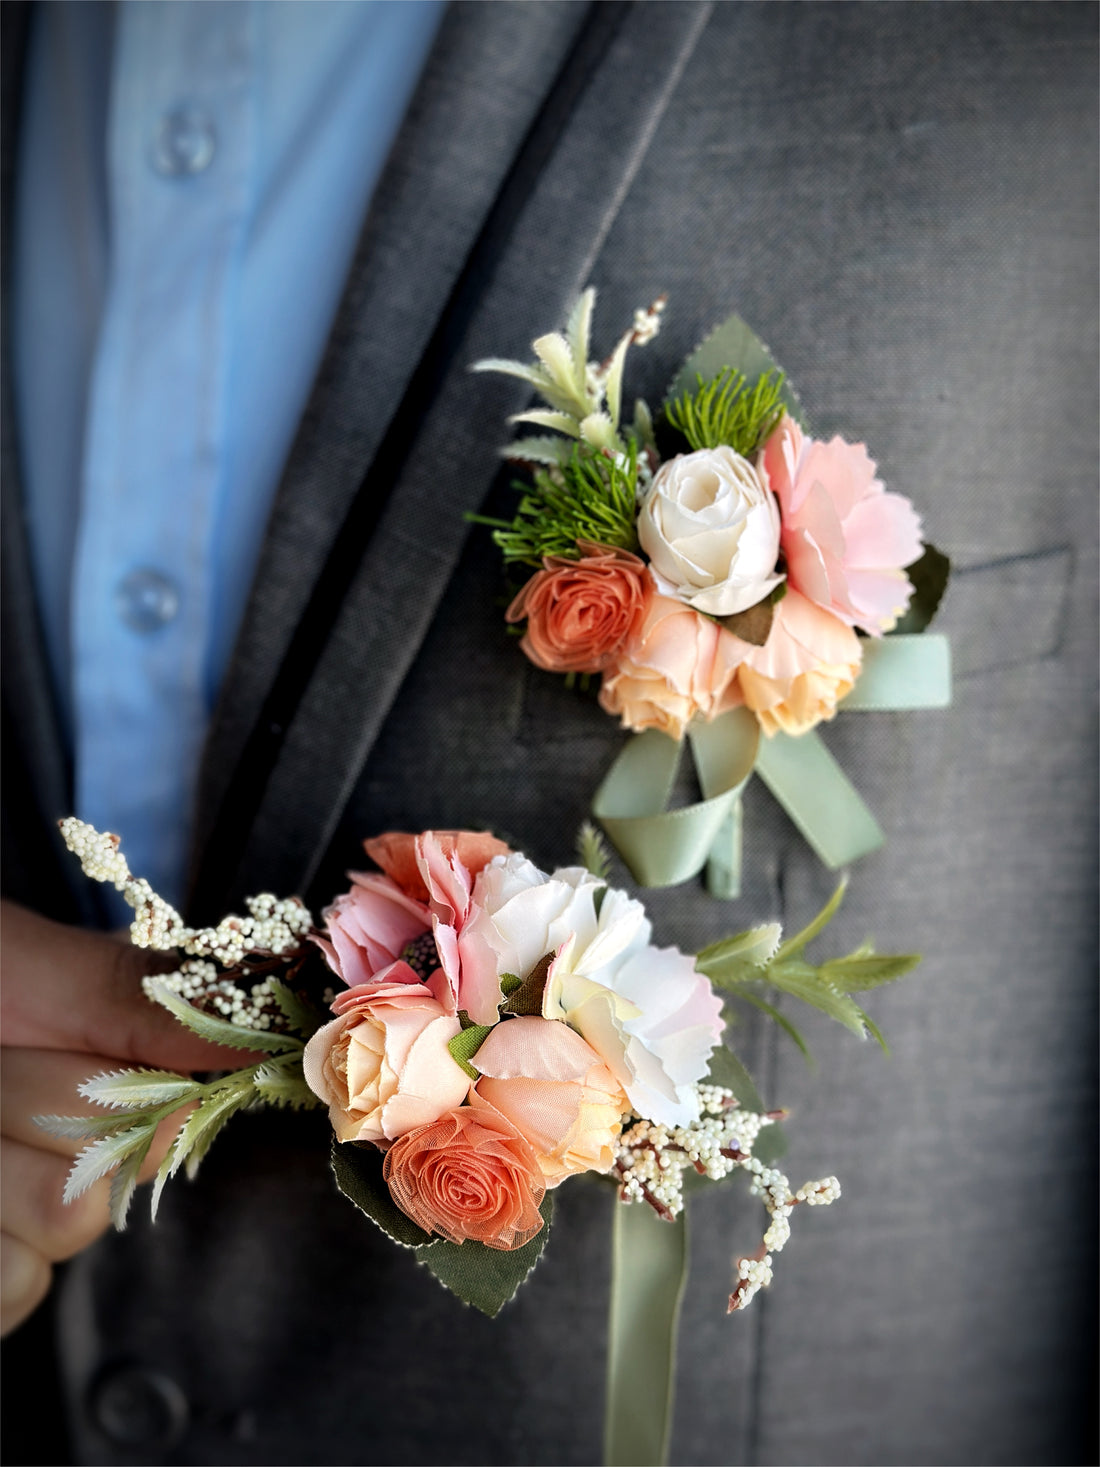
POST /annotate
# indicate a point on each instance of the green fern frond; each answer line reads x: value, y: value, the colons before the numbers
x: 724, y: 411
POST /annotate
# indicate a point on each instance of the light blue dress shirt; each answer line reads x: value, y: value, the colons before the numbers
x: 193, y: 179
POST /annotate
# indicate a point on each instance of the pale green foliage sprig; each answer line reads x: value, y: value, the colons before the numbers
x: 757, y: 959
x: 592, y: 497
x: 583, y: 398
x: 142, y: 1099
x: 726, y: 411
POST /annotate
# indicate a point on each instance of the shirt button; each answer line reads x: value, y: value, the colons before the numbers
x: 136, y: 1407
x: 146, y: 600
x: 184, y: 142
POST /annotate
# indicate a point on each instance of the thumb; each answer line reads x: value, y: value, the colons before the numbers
x: 64, y: 988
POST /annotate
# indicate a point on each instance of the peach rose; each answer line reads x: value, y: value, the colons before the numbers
x: 580, y: 612
x: 844, y: 537
x: 809, y: 662
x: 677, y: 665
x: 556, y: 1091
x: 469, y: 1174
x: 382, y: 1065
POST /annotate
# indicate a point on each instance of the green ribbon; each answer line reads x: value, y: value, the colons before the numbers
x: 648, y: 1268
x: 665, y: 847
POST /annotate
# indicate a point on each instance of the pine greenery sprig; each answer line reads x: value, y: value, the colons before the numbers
x: 724, y: 411
x: 591, y: 497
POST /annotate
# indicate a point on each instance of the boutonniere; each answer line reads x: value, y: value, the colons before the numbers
x: 730, y: 579
x: 481, y: 1032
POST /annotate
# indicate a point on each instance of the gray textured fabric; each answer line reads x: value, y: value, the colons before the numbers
x: 901, y: 198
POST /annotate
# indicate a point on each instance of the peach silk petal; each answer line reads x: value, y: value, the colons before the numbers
x: 537, y: 1049
x: 396, y: 853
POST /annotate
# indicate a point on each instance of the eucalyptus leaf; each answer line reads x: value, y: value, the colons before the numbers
x: 486, y: 1277
x: 929, y: 576
x: 139, y: 1089
x: 218, y: 1031
x: 733, y: 344
x: 358, y: 1172
x: 862, y: 971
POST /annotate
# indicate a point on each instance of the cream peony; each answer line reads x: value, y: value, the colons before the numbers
x: 710, y: 527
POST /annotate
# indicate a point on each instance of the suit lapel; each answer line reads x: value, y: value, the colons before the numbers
x: 550, y: 220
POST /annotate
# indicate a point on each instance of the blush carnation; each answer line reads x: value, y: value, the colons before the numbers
x: 368, y: 928
x: 808, y: 664
x: 468, y: 1175
x: 580, y: 612
x: 844, y: 537
x: 676, y: 666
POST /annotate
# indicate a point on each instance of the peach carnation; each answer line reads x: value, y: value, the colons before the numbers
x: 580, y: 612
x: 556, y: 1091
x: 401, y: 856
x: 382, y: 1065
x: 844, y: 537
x: 468, y: 1175
x: 808, y: 664
x: 676, y: 666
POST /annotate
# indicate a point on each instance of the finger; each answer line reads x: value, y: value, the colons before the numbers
x: 67, y: 989
x: 45, y: 1082
x: 33, y: 1205
x: 24, y: 1281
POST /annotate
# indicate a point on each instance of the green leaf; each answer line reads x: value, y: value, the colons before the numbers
x: 547, y: 418
x: 779, y: 1018
x: 194, y: 1138
x: 727, y: 1071
x: 861, y: 971
x: 740, y: 959
x: 509, y: 982
x: 466, y: 1044
x: 577, y: 330
x: 304, y: 1018
x: 527, y: 999
x: 486, y: 1277
x: 733, y: 344
x: 726, y: 410
x: 218, y: 1031
x: 613, y: 385
x: 125, y: 1180
x: 97, y: 1160
x: 358, y: 1172
x: 929, y: 577
x: 281, y: 1082
x: 794, y: 945
x: 875, y: 1033
x: 592, y: 851
x: 139, y: 1089
x: 537, y: 450
x: 85, y: 1127
x: 804, y: 982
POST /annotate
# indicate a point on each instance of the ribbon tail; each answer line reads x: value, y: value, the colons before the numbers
x: 906, y: 671
x: 664, y: 847
x: 723, y: 753
x: 648, y: 1269
x: 818, y: 796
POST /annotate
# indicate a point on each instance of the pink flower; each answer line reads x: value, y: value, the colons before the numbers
x: 382, y: 1065
x: 556, y: 1091
x: 378, y: 930
x: 676, y: 665
x: 844, y: 537
x: 809, y: 662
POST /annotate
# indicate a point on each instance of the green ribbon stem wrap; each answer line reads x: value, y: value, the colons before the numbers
x: 648, y: 1269
x: 663, y: 847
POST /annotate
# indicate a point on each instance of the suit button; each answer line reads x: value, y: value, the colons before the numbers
x: 136, y: 1407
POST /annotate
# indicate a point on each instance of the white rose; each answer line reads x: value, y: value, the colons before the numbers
x: 711, y: 530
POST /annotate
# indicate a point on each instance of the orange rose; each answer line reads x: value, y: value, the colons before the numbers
x: 557, y: 1091
x: 401, y: 857
x: 677, y: 665
x: 470, y: 1174
x: 580, y: 612
x: 810, y: 661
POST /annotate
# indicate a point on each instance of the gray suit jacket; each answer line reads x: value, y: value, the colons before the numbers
x: 901, y: 198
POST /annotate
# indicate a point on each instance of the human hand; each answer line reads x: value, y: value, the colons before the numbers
x: 72, y: 1006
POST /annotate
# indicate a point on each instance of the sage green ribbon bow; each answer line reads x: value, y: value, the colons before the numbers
x: 663, y: 847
